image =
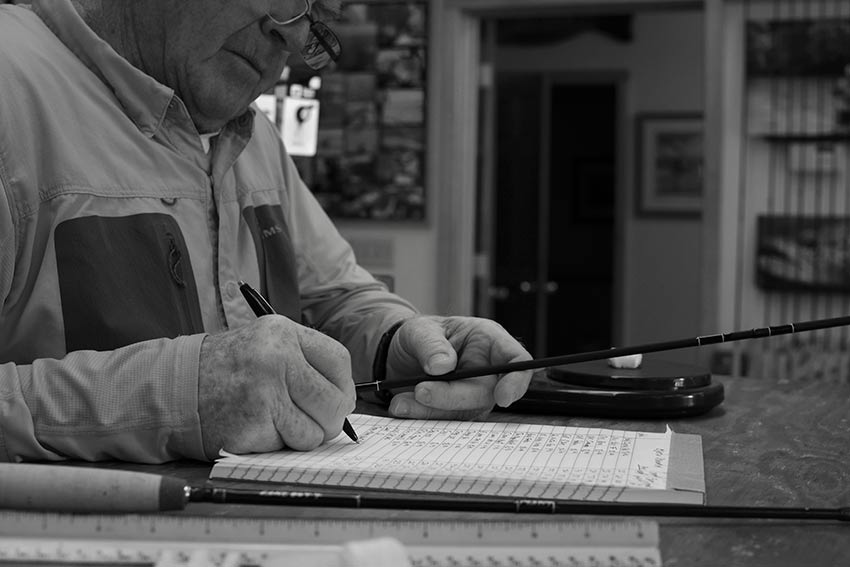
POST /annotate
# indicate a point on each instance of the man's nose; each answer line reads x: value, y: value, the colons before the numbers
x: 293, y: 35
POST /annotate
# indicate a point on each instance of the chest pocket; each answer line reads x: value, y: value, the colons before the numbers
x: 276, y: 258
x: 124, y: 280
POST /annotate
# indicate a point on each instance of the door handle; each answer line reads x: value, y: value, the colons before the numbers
x: 531, y: 287
x: 502, y: 292
x: 527, y: 287
x: 499, y: 292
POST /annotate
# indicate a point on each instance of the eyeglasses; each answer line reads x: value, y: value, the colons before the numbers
x: 322, y: 45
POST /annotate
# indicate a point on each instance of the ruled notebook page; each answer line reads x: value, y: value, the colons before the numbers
x: 475, y: 458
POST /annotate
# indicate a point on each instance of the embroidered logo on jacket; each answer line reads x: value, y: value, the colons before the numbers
x: 276, y: 258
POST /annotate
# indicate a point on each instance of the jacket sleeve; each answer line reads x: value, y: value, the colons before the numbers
x: 137, y: 403
x: 338, y: 296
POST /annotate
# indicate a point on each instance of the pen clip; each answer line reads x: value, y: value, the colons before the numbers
x: 257, y: 302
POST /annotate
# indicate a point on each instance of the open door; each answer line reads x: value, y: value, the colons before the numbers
x: 552, y: 228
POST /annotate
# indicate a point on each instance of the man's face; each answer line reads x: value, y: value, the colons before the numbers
x: 214, y: 53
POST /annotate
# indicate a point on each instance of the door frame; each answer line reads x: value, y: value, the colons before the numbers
x: 457, y: 57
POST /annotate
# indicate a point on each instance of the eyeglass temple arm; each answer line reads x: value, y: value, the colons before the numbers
x: 316, y: 28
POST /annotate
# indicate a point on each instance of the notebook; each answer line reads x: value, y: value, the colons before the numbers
x: 515, y: 460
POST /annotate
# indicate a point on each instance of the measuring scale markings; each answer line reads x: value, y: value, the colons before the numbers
x: 141, y: 540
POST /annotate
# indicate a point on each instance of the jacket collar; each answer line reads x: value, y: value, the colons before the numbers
x: 145, y: 100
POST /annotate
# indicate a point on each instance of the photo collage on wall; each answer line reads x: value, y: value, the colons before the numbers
x: 370, y: 159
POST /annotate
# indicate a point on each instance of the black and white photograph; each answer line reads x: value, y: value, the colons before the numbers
x: 669, y: 156
x: 424, y: 283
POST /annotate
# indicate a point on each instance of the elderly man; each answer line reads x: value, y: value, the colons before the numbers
x: 137, y: 188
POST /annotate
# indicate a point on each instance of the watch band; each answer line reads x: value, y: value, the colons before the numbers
x: 379, y: 364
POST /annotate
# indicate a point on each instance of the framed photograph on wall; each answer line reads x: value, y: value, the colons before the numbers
x: 799, y: 47
x: 371, y: 158
x: 803, y: 253
x: 669, y: 160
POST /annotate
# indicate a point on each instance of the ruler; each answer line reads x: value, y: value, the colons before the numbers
x: 72, y: 539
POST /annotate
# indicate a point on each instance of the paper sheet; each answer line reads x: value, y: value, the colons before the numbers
x: 476, y: 458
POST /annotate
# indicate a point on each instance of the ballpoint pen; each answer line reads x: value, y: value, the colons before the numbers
x: 262, y: 307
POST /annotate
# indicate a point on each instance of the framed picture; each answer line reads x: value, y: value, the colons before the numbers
x: 796, y: 253
x: 798, y: 47
x: 669, y: 158
x: 370, y: 163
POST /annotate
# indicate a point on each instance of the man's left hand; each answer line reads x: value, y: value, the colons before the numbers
x: 437, y: 345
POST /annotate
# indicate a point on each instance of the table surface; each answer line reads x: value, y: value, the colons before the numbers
x: 768, y: 444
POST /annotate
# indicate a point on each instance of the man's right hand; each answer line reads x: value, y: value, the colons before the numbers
x: 271, y: 384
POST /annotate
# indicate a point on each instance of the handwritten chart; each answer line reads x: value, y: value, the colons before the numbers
x: 476, y: 458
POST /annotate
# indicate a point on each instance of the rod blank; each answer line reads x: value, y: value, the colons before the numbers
x: 757, y: 333
x: 504, y: 505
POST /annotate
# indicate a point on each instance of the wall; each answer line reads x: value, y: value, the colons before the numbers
x: 406, y: 253
x: 660, y: 257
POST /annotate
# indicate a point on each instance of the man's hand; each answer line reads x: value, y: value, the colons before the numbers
x: 271, y: 384
x: 437, y: 345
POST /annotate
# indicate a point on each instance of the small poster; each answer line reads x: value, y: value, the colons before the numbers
x: 300, y: 127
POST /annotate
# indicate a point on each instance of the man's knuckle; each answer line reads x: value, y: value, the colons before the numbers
x: 343, y: 353
x: 338, y: 352
x: 304, y: 438
x: 341, y: 407
x: 314, y: 437
x: 332, y: 431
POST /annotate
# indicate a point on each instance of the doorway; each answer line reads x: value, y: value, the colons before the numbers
x: 665, y: 268
x: 552, y: 216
